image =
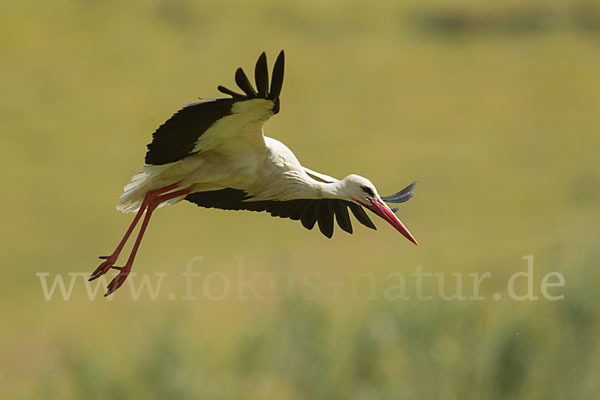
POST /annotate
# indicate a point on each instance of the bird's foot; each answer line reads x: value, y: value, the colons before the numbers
x: 118, y: 280
x: 104, y: 267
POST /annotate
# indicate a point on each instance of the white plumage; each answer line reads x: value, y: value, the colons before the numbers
x: 214, y: 154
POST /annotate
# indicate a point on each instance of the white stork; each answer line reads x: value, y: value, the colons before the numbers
x: 214, y: 154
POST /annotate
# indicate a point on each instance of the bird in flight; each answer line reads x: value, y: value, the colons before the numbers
x: 214, y: 154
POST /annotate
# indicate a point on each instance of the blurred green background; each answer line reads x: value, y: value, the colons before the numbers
x: 492, y: 106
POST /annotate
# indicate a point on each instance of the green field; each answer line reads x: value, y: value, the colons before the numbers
x: 494, y: 108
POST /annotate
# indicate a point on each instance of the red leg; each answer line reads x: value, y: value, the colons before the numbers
x: 112, y: 259
x: 124, y: 271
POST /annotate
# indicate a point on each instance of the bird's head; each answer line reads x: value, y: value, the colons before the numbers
x: 361, y: 191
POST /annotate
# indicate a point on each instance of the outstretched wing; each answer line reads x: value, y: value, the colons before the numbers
x: 199, y: 126
x: 308, y: 211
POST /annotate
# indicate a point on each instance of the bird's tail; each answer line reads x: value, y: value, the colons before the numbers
x: 134, y: 191
x: 149, y: 178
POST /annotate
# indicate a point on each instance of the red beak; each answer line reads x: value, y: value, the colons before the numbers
x: 381, y: 209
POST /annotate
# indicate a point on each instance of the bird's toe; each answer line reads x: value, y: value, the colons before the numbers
x: 102, y: 268
x: 117, y: 281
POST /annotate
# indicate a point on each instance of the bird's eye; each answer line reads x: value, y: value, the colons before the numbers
x: 368, y: 191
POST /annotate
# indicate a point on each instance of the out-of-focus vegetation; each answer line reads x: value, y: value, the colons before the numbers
x: 492, y: 106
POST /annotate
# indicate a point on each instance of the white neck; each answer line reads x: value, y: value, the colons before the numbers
x: 314, y: 189
x: 335, y: 190
x: 302, y: 186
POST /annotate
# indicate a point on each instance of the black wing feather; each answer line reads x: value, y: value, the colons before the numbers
x: 309, y: 216
x: 325, y: 218
x: 308, y: 211
x: 261, y: 75
x: 277, y: 82
x: 341, y: 215
x: 177, y: 137
x: 230, y: 92
x: 361, y: 215
x: 242, y: 81
x: 296, y: 209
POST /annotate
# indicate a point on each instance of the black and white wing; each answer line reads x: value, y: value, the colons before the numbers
x: 201, y: 126
x: 308, y: 211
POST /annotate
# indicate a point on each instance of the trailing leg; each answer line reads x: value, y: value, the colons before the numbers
x: 125, y: 270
